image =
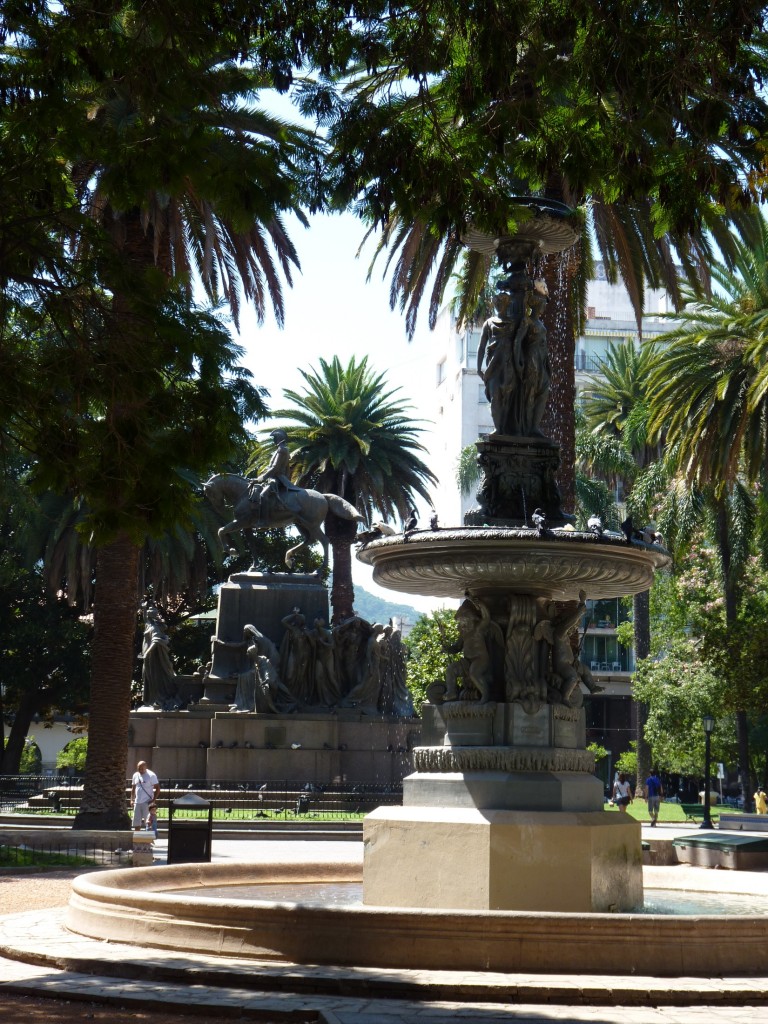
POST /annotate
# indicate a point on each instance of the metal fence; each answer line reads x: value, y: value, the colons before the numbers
x: 16, y: 791
x: 65, y: 852
x: 244, y: 801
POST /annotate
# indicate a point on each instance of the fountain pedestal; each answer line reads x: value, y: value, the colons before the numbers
x: 465, y: 858
x: 519, y: 476
x: 502, y: 813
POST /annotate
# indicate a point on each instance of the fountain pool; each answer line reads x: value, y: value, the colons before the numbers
x: 165, y: 907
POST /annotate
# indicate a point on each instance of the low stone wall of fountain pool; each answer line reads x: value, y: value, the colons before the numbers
x: 143, y: 906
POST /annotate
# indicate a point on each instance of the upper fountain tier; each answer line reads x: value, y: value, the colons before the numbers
x: 545, y: 227
x: 455, y: 562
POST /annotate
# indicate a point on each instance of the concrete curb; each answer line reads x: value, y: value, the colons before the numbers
x: 33, y: 939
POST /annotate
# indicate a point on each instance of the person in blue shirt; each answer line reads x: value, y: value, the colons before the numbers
x: 654, y: 791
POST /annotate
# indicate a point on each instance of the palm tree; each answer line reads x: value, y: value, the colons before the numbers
x: 175, y: 175
x: 709, y: 391
x: 616, y: 409
x: 349, y: 435
x: 468, y: 132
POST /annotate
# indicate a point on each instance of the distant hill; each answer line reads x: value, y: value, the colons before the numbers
x: 376, y: 609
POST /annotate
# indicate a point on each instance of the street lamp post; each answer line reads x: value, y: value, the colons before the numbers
x: 708, y: 724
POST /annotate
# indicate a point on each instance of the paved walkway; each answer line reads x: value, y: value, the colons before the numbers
x: 39, y: 957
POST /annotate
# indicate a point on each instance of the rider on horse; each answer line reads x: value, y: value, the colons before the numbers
x: 275, y: 477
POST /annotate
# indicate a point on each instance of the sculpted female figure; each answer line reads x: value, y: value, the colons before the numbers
x: 500, y: 366
x: 535, y: 358
x: 296, y: 662
x: 326, y: 676
x: 259, y: 687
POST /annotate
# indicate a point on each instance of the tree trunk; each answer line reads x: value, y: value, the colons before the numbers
x: 27, y: 706
x: 731, y: 613
x: 103, y: 805
x: 341, y: 533
x: 641, y: 610
x: 559, y: 418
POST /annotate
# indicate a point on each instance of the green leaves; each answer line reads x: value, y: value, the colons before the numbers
x: 351, y: 436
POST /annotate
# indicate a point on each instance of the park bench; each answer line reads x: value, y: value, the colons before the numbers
x: 744, y: 822
x: 695, y: 812
x: 714, y: 850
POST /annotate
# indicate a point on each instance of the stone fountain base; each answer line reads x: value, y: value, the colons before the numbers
x: 464, y: 858
x: 503, y: 812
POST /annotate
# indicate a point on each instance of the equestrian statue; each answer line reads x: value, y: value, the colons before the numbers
x: 271, y: 501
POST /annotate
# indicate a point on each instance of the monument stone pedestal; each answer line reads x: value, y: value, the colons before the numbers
x: 263, y: 600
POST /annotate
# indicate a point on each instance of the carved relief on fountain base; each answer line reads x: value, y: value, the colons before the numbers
x: 503, y: 759
x: 466, y: 724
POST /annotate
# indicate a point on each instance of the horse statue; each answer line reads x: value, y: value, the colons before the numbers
x: 294, y: 506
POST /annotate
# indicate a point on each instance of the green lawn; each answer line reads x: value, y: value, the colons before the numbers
x: 667, y: 811
x: 15, y: 857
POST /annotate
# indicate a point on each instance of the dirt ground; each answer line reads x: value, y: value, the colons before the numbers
x: 26, y: 891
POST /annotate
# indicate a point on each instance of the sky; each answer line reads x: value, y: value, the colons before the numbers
x: 332, y: 310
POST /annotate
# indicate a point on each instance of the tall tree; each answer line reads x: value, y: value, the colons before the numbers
x: 649, y: 118
x: 350, y: 435
x: 172, y: 170
x: 710, y: 393
x: 616, y: 408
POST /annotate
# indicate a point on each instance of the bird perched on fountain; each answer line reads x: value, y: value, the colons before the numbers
x: 628, y: 530
x: 295, y: 746
x: 377, y: 530
x: 650, y: 536
x: 539, y: 520
x: 433, y: 524
x: 411, y: 522
x: 595, y: 526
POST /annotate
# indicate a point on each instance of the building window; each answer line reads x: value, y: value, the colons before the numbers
x: 472, y: 341
x: 441, y: 371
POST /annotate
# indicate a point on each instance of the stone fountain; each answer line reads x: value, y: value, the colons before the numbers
x: 501, y: 857
x: 503, y: 811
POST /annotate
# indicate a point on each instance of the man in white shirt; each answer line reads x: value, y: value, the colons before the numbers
x: 144, y: 790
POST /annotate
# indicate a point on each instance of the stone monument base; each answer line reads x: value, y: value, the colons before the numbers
x: 466, y: 859
x: 231, y: 747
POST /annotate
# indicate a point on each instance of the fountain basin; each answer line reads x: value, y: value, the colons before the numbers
x: 135, y: 906
x: 452, y: 563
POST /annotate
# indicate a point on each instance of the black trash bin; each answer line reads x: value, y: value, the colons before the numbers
x: 189, y: 839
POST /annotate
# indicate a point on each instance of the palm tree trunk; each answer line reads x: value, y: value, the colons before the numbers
x: 341, y: 534
x: 559, y: 419
x: 731, y: 614
x: 103, y: 804
x: 641, y: 609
